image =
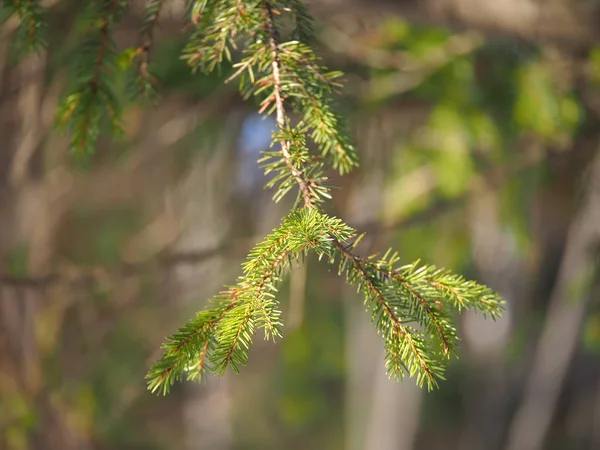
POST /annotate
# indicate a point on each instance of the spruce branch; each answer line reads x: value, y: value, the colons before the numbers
x: 222, y: 334
x: 93, y: 105
x: 303, y: 22
x: 31, y: 31
x: 292, y: 65
x: 311, y: 91
x: 310, y: 85
x: 406, y: 348
x: 145, y: 83
x: 278, y: 98
x: 411, y: 306
x: 217, y: 25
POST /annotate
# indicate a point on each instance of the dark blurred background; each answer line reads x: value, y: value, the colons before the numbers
x: 477, y: 124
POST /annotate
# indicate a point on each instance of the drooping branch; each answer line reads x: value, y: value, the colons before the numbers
x: 285, y: 74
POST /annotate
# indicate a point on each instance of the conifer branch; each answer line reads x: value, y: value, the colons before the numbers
x: 222, y: 334
x: 94, y: 82
x: 432, y: 317
x: 303, y: 24
x: 400, y: 333
x: 281, y: 118
x: 93, y: 103
x: 411, y: 307
x: 145, y: 81
x: 32, y: 23
x: 287, y: 72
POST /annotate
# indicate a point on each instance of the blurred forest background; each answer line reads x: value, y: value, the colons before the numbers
x: 478, y: 126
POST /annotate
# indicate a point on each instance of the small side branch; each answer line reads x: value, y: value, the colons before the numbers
x: 153, y: 10
x: 280, y: 109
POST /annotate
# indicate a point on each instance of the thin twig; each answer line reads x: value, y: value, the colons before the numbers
x: 280, y: 119
x: 147, y: 39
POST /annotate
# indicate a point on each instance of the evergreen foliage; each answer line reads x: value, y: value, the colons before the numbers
x: 412, y: 306
x: 31, y: 31
x: 92, y: 104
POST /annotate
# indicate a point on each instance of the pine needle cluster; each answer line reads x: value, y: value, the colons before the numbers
x: 412, y: 307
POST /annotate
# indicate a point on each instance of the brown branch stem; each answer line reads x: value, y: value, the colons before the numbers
x: 398, y: 326
x: 146, y: 37
x: 280, y: 109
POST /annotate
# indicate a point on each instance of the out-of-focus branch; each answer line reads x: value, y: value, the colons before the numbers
x: 497, y: 176
x: 342, y: 43
x: 82, y: 275
x: 569, y: 23
x: 409, y: 72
